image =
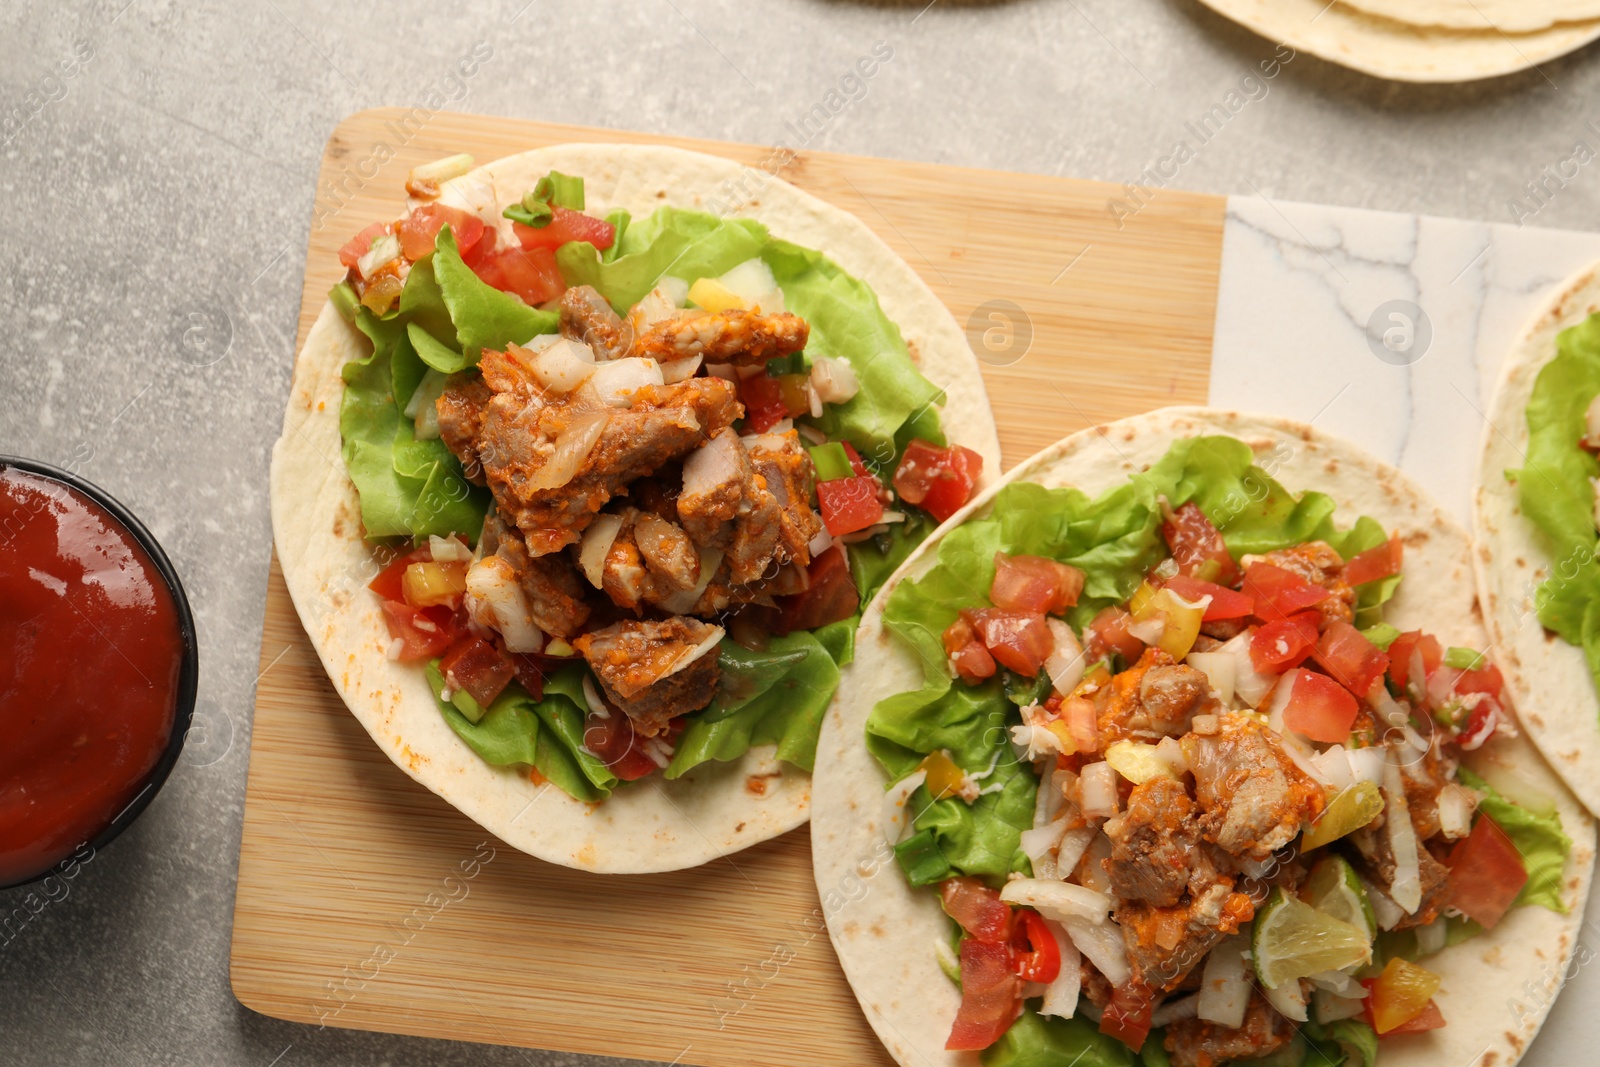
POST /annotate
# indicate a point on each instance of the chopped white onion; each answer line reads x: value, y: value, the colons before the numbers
x: 1456, y: 805
x: 496, y: 599
x: 596, y: 545
x: 677, y: 370
x: 1432, y: 937
x: 440, y: 170
x: 396, y: 649
x: 1065, y: 664
x: 1039, y: 843
x: 1289, y: 998
x: 753, y: 283
x: 1175, y: 1011
x: 1102, y: 943
x: 1366, y: 764
x: 1047, y: 799
x: 385, y: 249
x: 1061, y: 995
x: 1395, y: 715
x: 591, y: 696
x: 1406, y: 888
x: 616, y: 382
x: 1170, y: 752
x: 820, y: 543
x: 1249, y: 685
x: 1330, y: 1007
x: 676, y: 289
x: 688, y: 656
x: 655, y: 306
x: 896, y: 820
x: 1386, y: 911
x: 1097, y: 791
x: 571, y: 449
x: 1334, y: 768
x: 1338, y: 982
x: 561, y: 366
x: 448, y: 549
x: 1073, y: 845
x: 1220, y: 669
x: 834, y: 379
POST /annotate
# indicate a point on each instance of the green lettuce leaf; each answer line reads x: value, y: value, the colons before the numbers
x: 545, y: 734
x: 484, y: 316
x: 1555, y: 491
x: 685, y: 244
x: 1538, y: 837
x: 775, y: 696
x: 1036, y: 1040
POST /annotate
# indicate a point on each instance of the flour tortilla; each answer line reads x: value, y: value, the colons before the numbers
x: 655, y: 825
x: 1509, y: 16
x: 885, y: 931
x: 1548, y: 679
x: 1400, y: 52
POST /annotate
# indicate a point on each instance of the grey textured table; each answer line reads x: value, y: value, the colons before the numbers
x: 151, y: 256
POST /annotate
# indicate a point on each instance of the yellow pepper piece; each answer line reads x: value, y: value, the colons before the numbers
x: 944, y: 777
x: 712, y: 295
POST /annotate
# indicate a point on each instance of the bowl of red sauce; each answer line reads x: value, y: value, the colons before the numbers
x: 98, y: 668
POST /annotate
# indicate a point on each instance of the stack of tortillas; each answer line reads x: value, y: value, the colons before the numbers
x: 1424, y: 40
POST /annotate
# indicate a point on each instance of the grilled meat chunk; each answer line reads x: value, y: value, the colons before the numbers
x: 1154, y: 698
x: 1369, y: 849
x: 1197, y: 1043
x: 587, y: 317
x: 649, y: 562
x: 717, y: 479
x: 1165, y: 944
x: 667, y: 550
x: 552, y: 585
x: 1152, y: 843
x: 655, y: 671
x: 781, y: 460
x: 461, y: 409
x: 1253, y: 795
x: 743, y: 338
x: 1319, y: 564
x: 519, y: 438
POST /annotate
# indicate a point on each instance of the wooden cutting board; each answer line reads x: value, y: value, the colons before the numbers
x: 364, y: 901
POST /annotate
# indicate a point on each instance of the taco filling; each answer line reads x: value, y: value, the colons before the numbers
x: 631, y: 481
x: 1181, y: 789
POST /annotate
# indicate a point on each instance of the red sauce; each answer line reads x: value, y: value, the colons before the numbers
x: 90, y: 651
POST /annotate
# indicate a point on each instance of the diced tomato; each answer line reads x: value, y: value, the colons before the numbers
x: 1486, y: 873
x: 1197, y: 546
x: 831, y: 594
x: 1035, y: 956
x: 529, y: 673
x: 1353, y: 660
x: 360, y: 244
x: 854, y: 457
x: 567, y: 225
x: 1319, y: 707
x: 532, y: 275
x: 613, y: 740
x: 389, y: 584
x: 1279, y: 593
x: 1382, y: 561
x: 1225, y: 603
x: 762, y: 397
x: 484, y: 247
x: 991, y: 996
x: 1398, y: 996
x: 849, y: 504
x: 1018, y: 639
x: 1400, y: 654
x: 419, y: 230
x: 1108, y: 632
x: 1034, y: 583
x: 1486, y: 680
x: 1127, y: 1017
x: 478, y: 667
x: 425, y: 632
x: 970, y: 660
x: 1430, y: 1018
x: 937, y: 480
x: 1284, y: 643
x: 977, y: 908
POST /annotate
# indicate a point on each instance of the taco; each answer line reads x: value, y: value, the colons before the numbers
x: 1536, y: 513
x: 581, y: 487
x: 1163, y: 761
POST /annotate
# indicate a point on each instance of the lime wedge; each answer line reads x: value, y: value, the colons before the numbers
x: 1349, y: 811
x: 1293, y: 940
x: 1335, y: 889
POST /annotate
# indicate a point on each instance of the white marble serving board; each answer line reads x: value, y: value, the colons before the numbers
x: 1303, y: 288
